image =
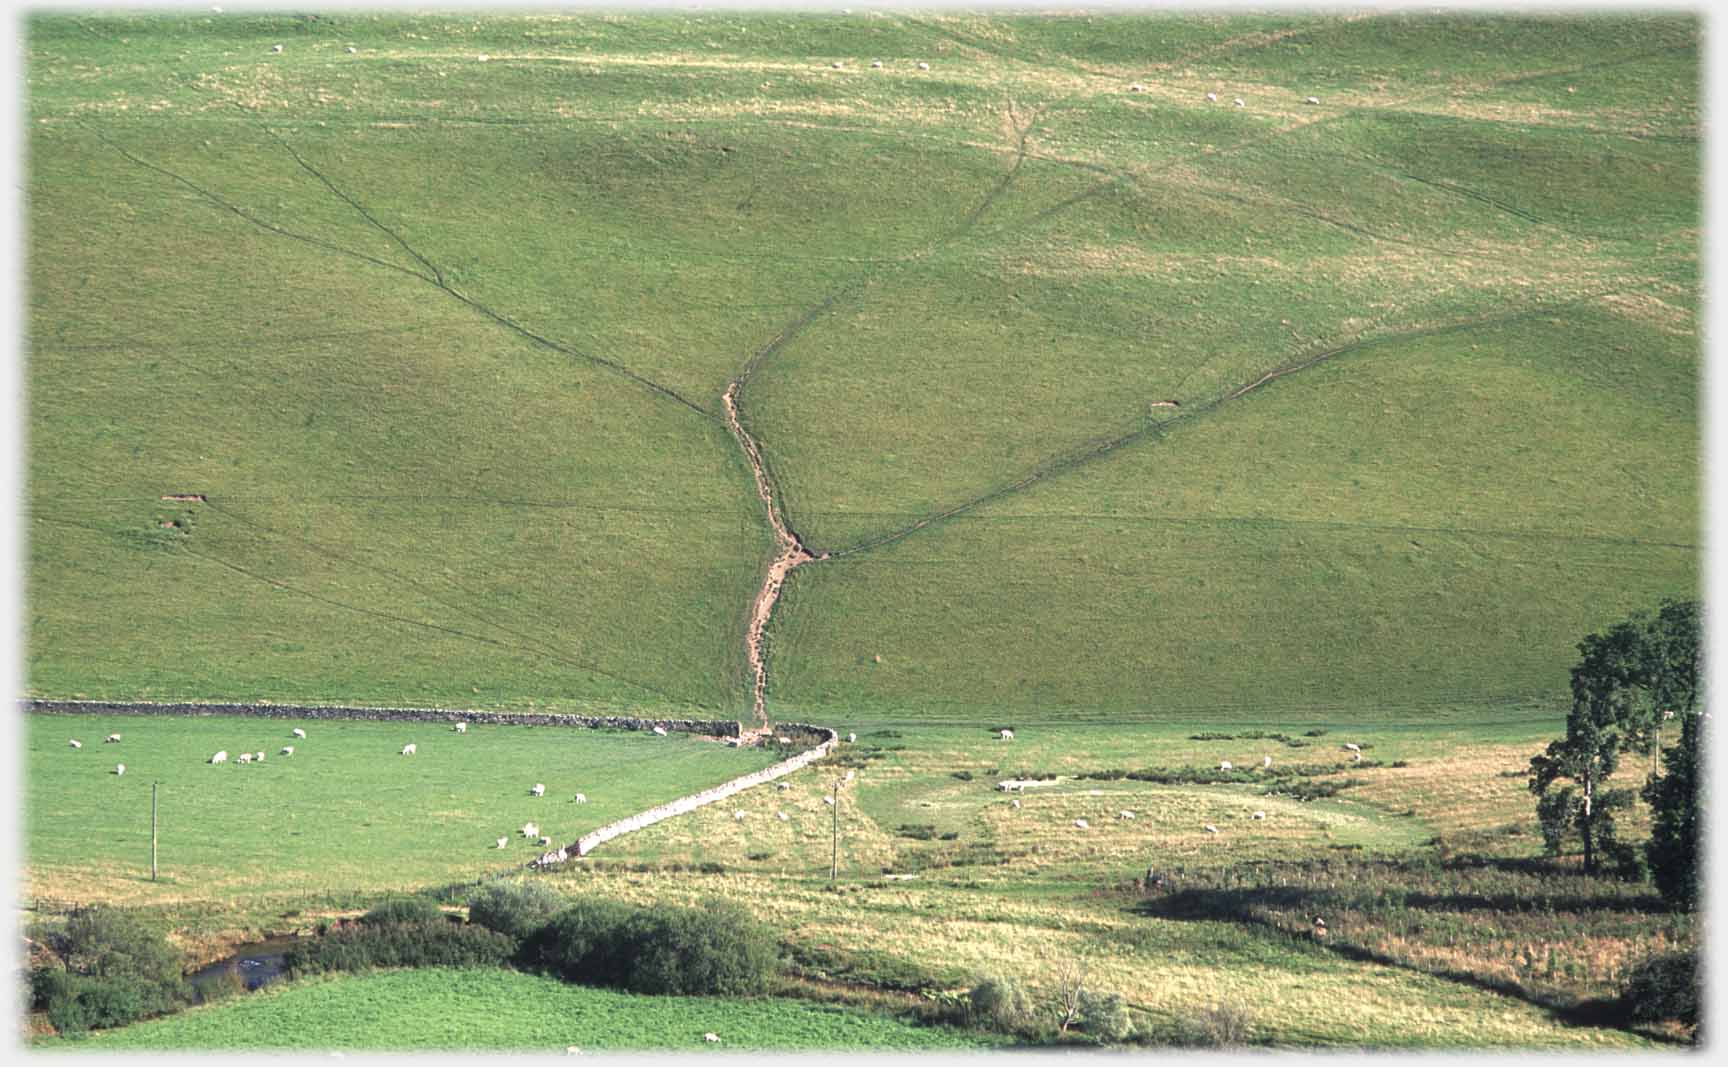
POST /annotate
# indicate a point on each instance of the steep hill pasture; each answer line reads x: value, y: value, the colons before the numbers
x: 1105, y: 403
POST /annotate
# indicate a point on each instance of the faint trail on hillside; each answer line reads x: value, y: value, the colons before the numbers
x: 524, y: 642
x: 434, y: 279
x: 790, y: 551
x: 122, y: 537
x: 1156, y: 428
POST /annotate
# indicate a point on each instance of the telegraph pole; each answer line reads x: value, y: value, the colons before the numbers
x: 834, y: 866
x: 153, y: 786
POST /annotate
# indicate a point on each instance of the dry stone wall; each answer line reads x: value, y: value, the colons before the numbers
x: 711, y: 727
x: 826, y: 740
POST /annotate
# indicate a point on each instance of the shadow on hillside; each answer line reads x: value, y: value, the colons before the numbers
x: 1247, y: 907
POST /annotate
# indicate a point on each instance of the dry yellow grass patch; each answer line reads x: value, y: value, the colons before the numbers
x: 1459, y: 792
x: 1651, y: 310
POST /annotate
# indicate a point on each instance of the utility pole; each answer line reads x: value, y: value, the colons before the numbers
x: 834, y: 866
x: 153, y: 786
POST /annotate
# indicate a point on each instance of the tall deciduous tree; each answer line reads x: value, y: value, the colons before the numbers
x: 1676, y: 826
x: 1630, y: 680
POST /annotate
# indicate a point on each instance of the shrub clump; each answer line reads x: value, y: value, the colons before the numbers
x: 1001, y: 1004
x: 720, y: 950
x: 1215, y: 1026
x: 1105, y: 1017
x: 434, y: 943
x: 113, y: 970
x: 403, y: 910
x: 517, y: 909
x: 1663, y: 989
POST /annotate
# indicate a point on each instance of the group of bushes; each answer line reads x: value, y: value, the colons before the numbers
x: 111, y: 969
x: 719, y: 950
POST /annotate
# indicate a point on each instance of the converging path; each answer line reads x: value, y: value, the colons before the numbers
x: 791, y: 553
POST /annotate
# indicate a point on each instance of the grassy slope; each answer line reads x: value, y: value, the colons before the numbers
x: 441, y: 1009
x: 414, y: 503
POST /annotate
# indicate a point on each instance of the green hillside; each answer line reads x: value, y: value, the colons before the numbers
x: 1107, y: 400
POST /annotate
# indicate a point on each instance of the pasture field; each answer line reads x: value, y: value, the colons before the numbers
x: 436, y: 311
x: 342, y: 819
x: 437, y: 1009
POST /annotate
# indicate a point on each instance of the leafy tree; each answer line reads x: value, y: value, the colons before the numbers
x: 1630, y: 680
x: 1672, y: 850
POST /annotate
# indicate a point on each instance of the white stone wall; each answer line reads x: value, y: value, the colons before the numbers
x: 589, y: 841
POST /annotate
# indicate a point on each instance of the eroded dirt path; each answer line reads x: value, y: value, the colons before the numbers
x: 791, y: 553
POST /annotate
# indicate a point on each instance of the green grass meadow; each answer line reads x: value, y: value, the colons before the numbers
x: 344, y: 815
x: 437, y: 1009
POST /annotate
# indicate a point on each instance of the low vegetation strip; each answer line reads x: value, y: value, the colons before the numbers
x: 589, y: 842
x: 507, y: 1011
x: 717, y: 727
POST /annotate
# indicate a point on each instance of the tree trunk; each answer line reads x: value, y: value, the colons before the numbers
x: 1587, y: 828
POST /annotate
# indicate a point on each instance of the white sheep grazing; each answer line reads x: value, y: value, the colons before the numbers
x: 287, y: 750
x: 409, y: 750
x: 259, y: 757
x: 1212, y: 98
x: 245, y: 757
x: 110, y: 739
x: 1351, y: 746
x: 530, y: 829
x: 1211, y: 829
x: 851, y: 775
x: 1312, y: 100
x: 923, y: 66
x: 738, y: 816
x: 352, y: 50
x: 539, y: 790
x: 119, y: 768
x: 782, y: 786
x: 276, y: 48
x: 1266, y: 763
x: 1124, y: 814
x: 660, y: 731
x: 301, y: 734
x: 503, y: 842
x: 544, y: 840
x: 875, y: 64
x: 1225, y: 766
x: 461, y: 727
x: 220, y: 757
x: 1355, y: 757
x: 75, y: 743
x: 1082, y: 824
x: 1006, y: 735
x: 712, y: 1038
x: 1239, y: 102
x: 851, y: 739
x: 782, y: 816
x: 782, y: 740
x: 581, y: 798
x: 1136, y: 88
x: 1016, y: 803
x: 828, y: 801
x: 1259, y: 815
x: 483, y: 57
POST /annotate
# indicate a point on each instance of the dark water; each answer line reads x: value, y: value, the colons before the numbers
x: 258, y: 965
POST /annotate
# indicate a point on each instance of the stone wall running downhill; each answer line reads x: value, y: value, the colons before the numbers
x: 587, y: 842
x: 711, y: 727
